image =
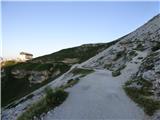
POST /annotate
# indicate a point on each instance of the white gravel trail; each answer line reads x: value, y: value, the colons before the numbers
x: 98, y: 96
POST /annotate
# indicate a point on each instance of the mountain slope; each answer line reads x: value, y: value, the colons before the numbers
x: 126, y: 59
x: 144, y: 39
x: 23, y: 78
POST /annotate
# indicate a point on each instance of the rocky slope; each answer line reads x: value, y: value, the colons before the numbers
x: 141, y: 47
x: 132, y: 62
x: 144, y: 39
x: 144, y: 86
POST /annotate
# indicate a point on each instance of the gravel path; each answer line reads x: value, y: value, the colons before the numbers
x: 97, y: 96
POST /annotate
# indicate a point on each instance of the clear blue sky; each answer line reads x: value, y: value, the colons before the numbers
x: 45, y: 27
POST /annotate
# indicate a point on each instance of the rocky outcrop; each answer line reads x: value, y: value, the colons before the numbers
x: 38, y: 77
x: 145, y: 85
x: 35, y: 76
x: 149, y: 70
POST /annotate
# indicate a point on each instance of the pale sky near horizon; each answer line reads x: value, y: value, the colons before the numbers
x: 45, y: 27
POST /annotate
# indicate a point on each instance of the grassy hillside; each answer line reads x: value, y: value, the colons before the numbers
x: 15, y: 88
x: 82, y: 53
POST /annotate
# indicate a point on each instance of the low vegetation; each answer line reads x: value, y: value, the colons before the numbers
x: 82, y: 53
x: 118, y: 55
x: 8, y: 63
x: 140, y: 47
x: 156, y: 47
x: 17, y: 88
x: 41, y: 66
x: 130, y: 55
x: 52, y: 99
x: 148, y: 62
x: 140, y: 58
x: 122, y: 67
x: 133, y: 53
x: 80, y: 71
x: 116, y: 73
x: 142, y: 95
x: 14, y: 104
x: 70, y: 83
x: 107, y: 66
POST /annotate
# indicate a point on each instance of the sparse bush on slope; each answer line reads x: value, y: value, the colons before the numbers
x: 8, y: 63
x: 116, y: 73
x: 140, y: 97
x: 81, y: 71
x: 82, y: 53
x: 70, y: 83
x: 50, y: 101
x: 156, y: 47
x: 141, y: 92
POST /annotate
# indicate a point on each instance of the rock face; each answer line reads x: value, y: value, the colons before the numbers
x: 19, y: 73
x: 149, y: 75
x: 145, y: 38
x: 35, y: 76
x: 149, y: 70
x: 38, y: 77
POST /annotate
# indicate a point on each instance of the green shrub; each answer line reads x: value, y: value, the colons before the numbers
x: 140, y: 81
x: 141, y: 95
x: 8, y: 63
x: 52, y: 99
x: 49, y: 95
x: 42, y: 67
x: 118, y: 55
x: 129, y: 82
x: 81, y: 71
x: 133, y: 53
x: 14, y: 104
x: 70, y: 83
x: 122, y: 67
x: 55, y: 97
x: 59, y: 96
x: 156, y: 47
x: 148, y: 62
x: 140, y: 47
x: 144, y: 83
x: 34, y: 111
x: 140, y: 58
x: 107, y: 66
x: 149, y: 105
x: 34, y: 66
x: 116, y: 73
x: 26, y: 66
